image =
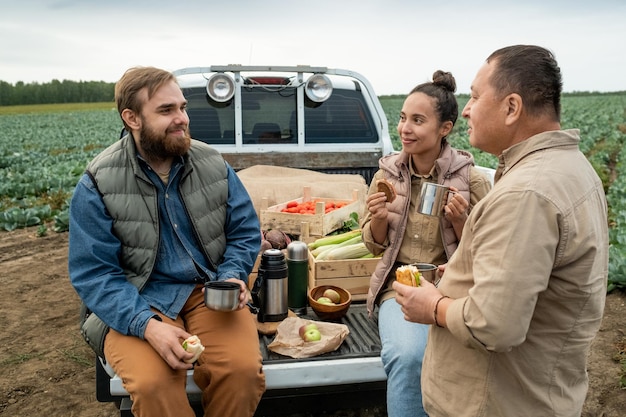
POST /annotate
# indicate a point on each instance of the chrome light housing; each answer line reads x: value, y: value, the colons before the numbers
x: 318, y: 88
x: 220, y: 87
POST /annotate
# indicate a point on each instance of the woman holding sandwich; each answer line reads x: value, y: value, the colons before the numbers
x: 402, y: 235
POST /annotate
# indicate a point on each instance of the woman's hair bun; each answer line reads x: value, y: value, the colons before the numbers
x: 445, y: 80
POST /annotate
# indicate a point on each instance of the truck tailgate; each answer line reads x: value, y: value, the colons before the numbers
x: 356, y: 361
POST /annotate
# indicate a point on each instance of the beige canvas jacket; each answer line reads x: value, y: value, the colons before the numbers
x: 529, y: 283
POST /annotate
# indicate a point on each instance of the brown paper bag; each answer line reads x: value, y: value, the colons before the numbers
x: 289, y: 343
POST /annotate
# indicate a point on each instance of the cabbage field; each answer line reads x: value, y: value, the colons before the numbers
x: 44, y: 150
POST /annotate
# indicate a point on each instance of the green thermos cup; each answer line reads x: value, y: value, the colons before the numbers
x: 297, y: 276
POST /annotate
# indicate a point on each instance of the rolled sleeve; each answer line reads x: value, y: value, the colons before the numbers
x: 140, y: 322
x: 374, y: 247
x: 366, y: 231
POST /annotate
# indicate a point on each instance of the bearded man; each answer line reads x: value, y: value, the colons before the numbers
x: 155, y: 216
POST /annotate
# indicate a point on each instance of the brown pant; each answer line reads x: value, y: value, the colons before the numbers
x: 229, y: 371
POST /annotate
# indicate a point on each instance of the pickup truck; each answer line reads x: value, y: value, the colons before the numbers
x: 313, y: 118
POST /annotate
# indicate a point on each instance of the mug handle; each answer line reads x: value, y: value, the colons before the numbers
x: 449, y: 196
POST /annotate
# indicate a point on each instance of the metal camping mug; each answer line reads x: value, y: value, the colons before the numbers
x: 433, y: 198
x: 428, y: 271
x: 221, y: 295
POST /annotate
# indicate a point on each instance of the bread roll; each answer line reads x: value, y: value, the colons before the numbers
x: 192, y: 344
x: 408, y: 275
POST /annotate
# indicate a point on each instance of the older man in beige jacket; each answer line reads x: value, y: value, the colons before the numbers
x: 523, y: 296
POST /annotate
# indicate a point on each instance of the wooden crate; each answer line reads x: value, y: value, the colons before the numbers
x: 351, y: 274
x: 308, y: 226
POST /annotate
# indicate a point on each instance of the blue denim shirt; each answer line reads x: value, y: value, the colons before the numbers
x: 94, y: 253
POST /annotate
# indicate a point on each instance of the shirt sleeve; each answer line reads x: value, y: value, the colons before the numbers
x: 479, y: 186
x: 94, y: 268
x: 366, y: 231
x: 243, y: 232
x: 513, y: 249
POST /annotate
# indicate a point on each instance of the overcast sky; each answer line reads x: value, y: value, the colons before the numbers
x: 396, y: 44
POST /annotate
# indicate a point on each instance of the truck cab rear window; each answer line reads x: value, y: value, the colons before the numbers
x: 269, y: 116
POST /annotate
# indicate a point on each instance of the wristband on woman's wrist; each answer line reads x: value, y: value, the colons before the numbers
x: 436, y: 308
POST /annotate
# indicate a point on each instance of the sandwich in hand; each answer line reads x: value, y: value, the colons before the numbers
x: 384, y: 186
x: 408, y: 275
x: 192, y: 344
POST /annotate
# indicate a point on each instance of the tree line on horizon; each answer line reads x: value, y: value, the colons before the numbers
x: 55, y: 92
x: 67, y: 91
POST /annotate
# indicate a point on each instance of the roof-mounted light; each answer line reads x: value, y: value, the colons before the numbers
x: 220, y: 87
x: 318, y: 88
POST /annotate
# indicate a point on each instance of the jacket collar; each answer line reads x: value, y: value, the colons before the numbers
x: 450, y: 161
x: 545, y: 140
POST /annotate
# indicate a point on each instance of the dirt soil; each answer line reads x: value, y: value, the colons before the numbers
x: 47, y: 370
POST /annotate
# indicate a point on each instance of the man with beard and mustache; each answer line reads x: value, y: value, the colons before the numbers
x: 155, y: 216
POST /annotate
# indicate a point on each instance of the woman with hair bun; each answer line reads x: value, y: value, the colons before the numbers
x: 403, y: 235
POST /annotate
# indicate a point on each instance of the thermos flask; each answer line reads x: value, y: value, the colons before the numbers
x: 298, y: 273
x: 269, y: 291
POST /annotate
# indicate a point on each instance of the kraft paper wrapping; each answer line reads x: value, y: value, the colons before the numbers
x: 289, y: 343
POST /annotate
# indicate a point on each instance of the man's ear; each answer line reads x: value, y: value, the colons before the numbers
x: 514, y: 105
x: 131, y: 119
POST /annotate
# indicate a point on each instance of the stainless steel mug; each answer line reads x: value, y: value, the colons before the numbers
x: 221, y: 295
x: 428, y: 271
x: 433, y: 198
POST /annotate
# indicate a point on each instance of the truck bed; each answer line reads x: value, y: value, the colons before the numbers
x: 350, y: 377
